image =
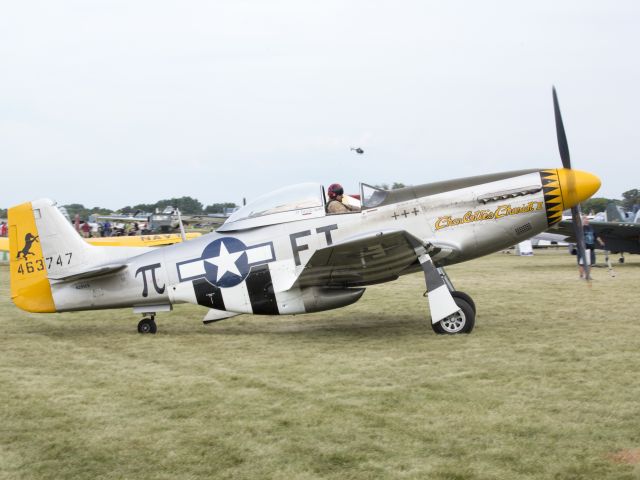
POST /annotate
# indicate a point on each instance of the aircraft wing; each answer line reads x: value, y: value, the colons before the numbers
x: 117, y: 219
x: 617, y: 236
x: 89, y: 272
x: 204, y: 219
x: 365, y: 260
x: 624, y: 231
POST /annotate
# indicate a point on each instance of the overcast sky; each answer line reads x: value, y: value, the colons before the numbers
x: 113, y: 103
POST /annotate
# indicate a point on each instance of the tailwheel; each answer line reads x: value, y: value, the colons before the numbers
x: 147, y: 325
x: 462, y: 321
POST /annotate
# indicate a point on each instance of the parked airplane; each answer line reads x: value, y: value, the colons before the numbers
x: 157, y: 240
x: 153, y: 240
x: 283, y: 254
x: 618, y: 237
x: 619, y: 230
x: 168, y: 220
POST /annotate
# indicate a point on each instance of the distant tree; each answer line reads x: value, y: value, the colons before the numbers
x: 631, y: 198
x: 394, y: 185
x: 219, y: 207
x: 142, y: 207
x: 185, y: 204
x: 126, y: 210
x: 100, y: 211
x: 75, y: 208
x: 84, y: 212
x: 3, y: 213
x: 596, y: 204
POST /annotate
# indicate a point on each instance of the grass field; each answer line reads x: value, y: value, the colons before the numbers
x: 546, y: 387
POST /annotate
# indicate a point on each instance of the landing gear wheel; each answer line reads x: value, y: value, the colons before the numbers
x: 147, y: 325
x: 456, y: 294
x: 460, y: 322
x: 621, y: 260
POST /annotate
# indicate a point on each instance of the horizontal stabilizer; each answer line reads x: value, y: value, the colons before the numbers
x: 96, y: 271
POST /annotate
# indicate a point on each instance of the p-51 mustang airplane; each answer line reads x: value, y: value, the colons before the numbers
x: 283, y: 254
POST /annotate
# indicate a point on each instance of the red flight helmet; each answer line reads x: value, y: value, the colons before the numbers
x: 334, y: 190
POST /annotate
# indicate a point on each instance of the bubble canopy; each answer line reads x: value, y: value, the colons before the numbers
x: 288, y: 204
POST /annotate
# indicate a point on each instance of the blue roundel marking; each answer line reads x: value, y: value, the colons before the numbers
x: 228, y: 255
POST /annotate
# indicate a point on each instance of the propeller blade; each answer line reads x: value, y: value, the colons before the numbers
x: 579, y: 232
x: 576, y: 215
x: 563, y: 146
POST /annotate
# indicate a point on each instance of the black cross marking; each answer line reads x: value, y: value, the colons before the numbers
x: 415, y: 211
x: 395, y: 216
x: 405, y: 213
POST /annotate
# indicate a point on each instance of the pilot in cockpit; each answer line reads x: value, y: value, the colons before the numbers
x: 336, y: 204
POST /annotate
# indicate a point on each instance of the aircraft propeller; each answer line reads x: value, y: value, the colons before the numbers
x: 576, y: 216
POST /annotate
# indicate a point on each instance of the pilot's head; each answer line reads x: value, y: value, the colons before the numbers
x: 334, y: 191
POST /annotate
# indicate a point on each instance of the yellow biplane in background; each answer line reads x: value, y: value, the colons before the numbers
x: 157, y: 240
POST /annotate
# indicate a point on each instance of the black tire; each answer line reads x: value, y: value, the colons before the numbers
x: 147, y: 325
x: 621, y: 260
x: 466, y: 298
x: 460, y: 322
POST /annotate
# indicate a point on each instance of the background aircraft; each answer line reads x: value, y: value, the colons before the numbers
x: 157, y: 240
x: 168, y: 220
x: 618, y: 237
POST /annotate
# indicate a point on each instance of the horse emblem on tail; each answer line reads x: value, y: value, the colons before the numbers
x: 28, y: 242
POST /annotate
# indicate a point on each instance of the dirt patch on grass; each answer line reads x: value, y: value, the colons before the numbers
x: 629, y: 456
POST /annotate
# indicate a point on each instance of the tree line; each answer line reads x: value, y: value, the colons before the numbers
x: 186, y: 205
x: 630, y: 198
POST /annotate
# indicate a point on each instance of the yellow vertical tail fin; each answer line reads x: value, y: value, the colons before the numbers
x: 30, y: 287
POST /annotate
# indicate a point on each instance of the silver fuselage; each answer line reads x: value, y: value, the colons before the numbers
x: 465, y: 219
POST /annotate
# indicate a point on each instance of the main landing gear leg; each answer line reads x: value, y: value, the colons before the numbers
x: 455, y: 293
x: 148, y: 324
x: 451, y: 313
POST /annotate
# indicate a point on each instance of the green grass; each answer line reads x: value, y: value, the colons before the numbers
x: 546, y: 387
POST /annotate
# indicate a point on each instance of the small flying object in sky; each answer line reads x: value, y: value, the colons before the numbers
x: 285, y: 254
x: 358, y: 150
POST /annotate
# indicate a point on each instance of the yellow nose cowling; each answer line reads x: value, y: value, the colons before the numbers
x: 576, y: 186
x: 564, y: 188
